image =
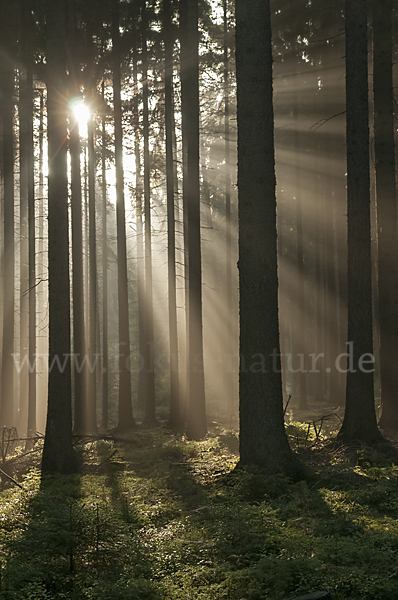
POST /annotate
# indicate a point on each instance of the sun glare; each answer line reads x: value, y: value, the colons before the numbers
x: 82, y: 114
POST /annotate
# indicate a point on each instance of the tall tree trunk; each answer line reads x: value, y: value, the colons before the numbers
x: 175, y: 415
x: 58, y: 453
x: 7, y: 379
x: 386, y: 210
x: 23, y: 250
x: 300, y: 344
x: 196, y: 427
x: 360, y: 417
x: 125, y: 412
x: 263, y: 441
x: 42, y: 348
x: 229, y: 377
x: 105, y: 361
x: 31, y: 424
x: 79, y: 337
x: 184, y: 70
x: 86, y: 258
x: 27, y: 225
x: 140, y: 237
x: 150, y: 408
x: 318, y: 295
x: 92, y: 390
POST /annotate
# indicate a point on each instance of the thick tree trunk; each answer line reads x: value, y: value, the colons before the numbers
x: 360, y: 418
x: 175, y: 414
x: 125, y: 412
x: 197, y: 426
x: 263, y: 441
x: 150, y: 407
x: 58, y: 453
x: 386, y: 210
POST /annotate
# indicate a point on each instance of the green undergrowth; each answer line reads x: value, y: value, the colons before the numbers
x: 165, y: 518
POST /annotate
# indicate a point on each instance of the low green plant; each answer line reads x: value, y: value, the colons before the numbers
x: 166, y: 518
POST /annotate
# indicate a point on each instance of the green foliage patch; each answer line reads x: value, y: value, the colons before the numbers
x: 165, y: 518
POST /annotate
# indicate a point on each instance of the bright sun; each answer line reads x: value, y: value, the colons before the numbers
x: 82, y: 114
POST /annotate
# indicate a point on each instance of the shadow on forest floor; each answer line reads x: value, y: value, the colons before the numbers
x: 160, y: 519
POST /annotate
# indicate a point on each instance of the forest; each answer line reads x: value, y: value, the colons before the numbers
x: 198, y: 300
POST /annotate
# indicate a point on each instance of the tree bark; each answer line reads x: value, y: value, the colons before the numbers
x: 105, y: 361
x: 140, y: 242
x: 23, y: 250
x: 27, y: 395
x: 93, y: 300
x: 58, y: 453
x: 228, y: 375
x: 175, y: 414
x: 360, y: 418
x: 386, y: 210
x: 263, y: 441
x: 300, y: 343
x: 125, y: 411
x: 31, y: 424
x: 150, y: 407
x: 7, y: 109
x: 196, y: 427
x: 80, y: 371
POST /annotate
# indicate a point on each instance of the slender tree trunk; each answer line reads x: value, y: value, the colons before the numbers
x: 175, y: 415
x: 1, y: 237
x: 229, y: 381
x: 263, y: 441
x: 58, y: 453
x: 40, y: 296
x: 319, y: 322
x: 125, y: 413
x: 23, y: 249
x: 360, y: 418
x: 180, y: 267
x: 27, y: 226
x: 150, y: 408
x: 341, y: 250
x: 386, y: 210
x: 92, y: 392
x: 140, y: 243
x: 31, y: 425
x: 86, y: 258
x: 184, y: 70
x: 93, y: 356
x: 300, y: 344
x: 42, y: 348
x: 7, y: 380
x: 79, y: 337
x: 105, y: 361
x: 197, y: 426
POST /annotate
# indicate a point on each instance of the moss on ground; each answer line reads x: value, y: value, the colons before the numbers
x: 166, y: 518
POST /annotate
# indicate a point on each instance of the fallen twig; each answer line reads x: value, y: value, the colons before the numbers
x: 11, y: 479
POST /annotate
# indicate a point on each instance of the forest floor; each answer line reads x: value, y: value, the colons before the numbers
x: 157, y: 517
